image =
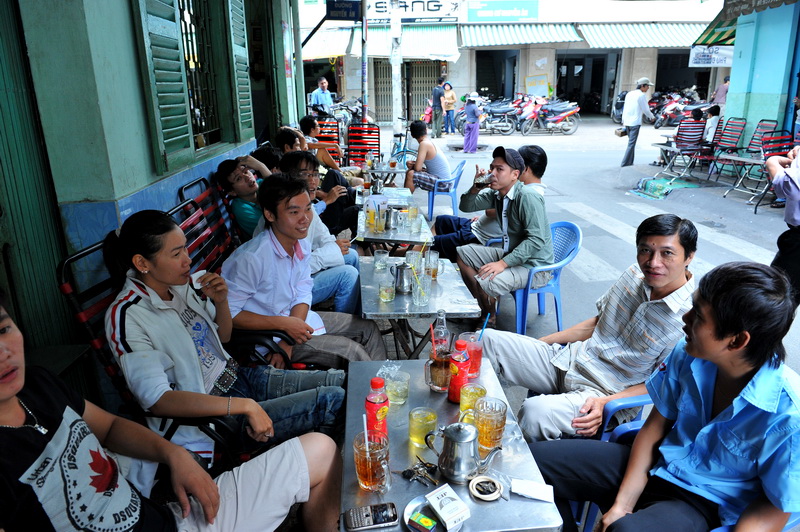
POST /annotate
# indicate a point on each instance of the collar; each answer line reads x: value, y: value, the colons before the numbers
x: 145, y: 291
x: 677, y: 299
x: 278, y: 248
x: 512, y: 193
x: 765, y: 388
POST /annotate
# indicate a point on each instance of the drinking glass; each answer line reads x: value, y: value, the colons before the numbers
x: 402, y: 219
x: 421, y: 290
x: 371, y: 457
x: 386, y: 288
x: 380, y: 220
x: 397, y: 387
x: 437, y: 372
x: 414, y: 259
x: 381, y: 259
x: 432, y: 264
x: 475, y: 352
x: 490, y: 419
x: 421, y: 421
x: 470, y: 393
x: 413, y: 218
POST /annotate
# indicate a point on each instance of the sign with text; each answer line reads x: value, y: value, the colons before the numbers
x: 711, y: 56
x: 502, y: 10
x: 343, y: 10
x: 380, y: 11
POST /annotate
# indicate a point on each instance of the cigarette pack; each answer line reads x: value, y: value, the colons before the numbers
x: 448, y: 506
x: 421, y: 522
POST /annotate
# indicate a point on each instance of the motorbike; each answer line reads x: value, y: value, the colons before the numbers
x: 427, y: 116
x: 550, y: 117
x: 677, y: 108
x: 616, y: 107
x: 655, y: 103
x: 494, y: 119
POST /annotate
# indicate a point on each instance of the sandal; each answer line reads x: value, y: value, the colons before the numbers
x: 656, y: 163
x: 778, y: 204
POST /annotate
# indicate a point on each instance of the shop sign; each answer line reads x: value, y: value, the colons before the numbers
x: 343, y: 10
x: 414, y: 11
x: 502, y: 11
x: 711, y: 56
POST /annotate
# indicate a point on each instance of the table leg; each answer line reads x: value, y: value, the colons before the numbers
x: 401, y: 338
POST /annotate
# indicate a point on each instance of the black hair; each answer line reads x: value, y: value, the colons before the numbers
x: 448, y: 83
x: 285, y: 137
x: 669, y: 224
x: 4, y: 301
x: 224, y: 170
x: 141, y: 234
x: 726, y: 79
x: 418, y: 129
x: 752, y: 297
x: 276, y: 189
x: 321, y: 78
x: 307, y: 123
x: 270, y: 156
x: 290, y: 162
x: 439, y: 81
x: 535, y: 158
x: 697, y: 114
x: 714, y: 110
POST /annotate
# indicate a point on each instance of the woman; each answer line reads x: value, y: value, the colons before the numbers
x: 472, y: 125
x: 168, y: 342
x: 449, y: 108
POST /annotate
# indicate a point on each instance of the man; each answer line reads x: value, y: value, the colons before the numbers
x: 321, y: 95
x: 431, y: 163
x: 437, y: 103
x: 55, y: 473
x: 635, y: 106
x: 578, y: 370
x: 310, y: 129
x: 270, y: 285
x: 238, y: 180
x: 720, y: 94
x: 491, y: 272
x: 784, y: 173
x: 720, y: 445
x: 453, y: 231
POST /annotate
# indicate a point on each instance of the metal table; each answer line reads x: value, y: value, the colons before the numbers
x: 387, y: 175
x: 448, y: 292
x: 745, y: 165
x: 398, y: 197
x: 515, y: 460
x: 395, y: 236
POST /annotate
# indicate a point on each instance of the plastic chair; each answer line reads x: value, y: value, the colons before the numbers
x: 446, y: 187
x: 567, y: 238
x: 731, y: 135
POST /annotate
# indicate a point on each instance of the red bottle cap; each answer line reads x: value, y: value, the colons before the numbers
x: 376, y: 382
x: 461, y: 345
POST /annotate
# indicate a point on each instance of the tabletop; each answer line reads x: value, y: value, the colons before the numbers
x: 754, y: 158
x: 515, y: 460
x: 448, y: 292
x: 397, y: 236
x: 398, y: 197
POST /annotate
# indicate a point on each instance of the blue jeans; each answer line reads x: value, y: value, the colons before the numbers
x: 339, y: 283
x: 297, y: 401
x: 450, y: 121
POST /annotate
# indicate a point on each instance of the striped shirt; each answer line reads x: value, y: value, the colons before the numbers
x: 633, y: 335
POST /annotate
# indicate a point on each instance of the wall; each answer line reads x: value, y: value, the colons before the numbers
x: 637, y: 63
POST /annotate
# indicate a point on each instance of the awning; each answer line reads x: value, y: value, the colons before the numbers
x: 736, y: 8
x: 474, y: 35
x: 327, y: 43
x: 720, y: 32
x: 652, y: 35
x: 418, y: 42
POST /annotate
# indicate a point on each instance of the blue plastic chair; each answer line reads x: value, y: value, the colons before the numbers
x: 567, y: 238
x: 454, y: 178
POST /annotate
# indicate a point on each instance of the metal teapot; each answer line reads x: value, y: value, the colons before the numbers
x: 391, y: 218
x: 459, y: 460
x: 403, y: 277
x: 377, y: 186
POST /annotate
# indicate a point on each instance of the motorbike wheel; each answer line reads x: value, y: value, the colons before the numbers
x: 527, y: 127
x: 461, y: 128
x: 616, y: 118
x: 659, y: 122
x: 569, y: 125
x: 506, y: 127
x: 647, y: 120
x: 402, y: 157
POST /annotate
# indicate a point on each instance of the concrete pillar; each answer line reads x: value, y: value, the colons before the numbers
x: 637, y: 63
x: 537, y: 61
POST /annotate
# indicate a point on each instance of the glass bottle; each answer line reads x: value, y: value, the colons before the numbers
x: 441, y: 336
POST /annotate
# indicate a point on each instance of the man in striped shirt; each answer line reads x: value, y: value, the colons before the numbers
x: 575, y: 372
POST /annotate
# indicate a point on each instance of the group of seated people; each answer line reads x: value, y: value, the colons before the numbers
x: 710, y: 117
x: 718, y: 448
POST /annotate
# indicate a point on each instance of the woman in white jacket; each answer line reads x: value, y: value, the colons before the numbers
x: 168, y: 342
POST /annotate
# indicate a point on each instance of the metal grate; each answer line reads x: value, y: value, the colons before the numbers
x: 423, y: 78
x: 195, y: 32
x: 383, y: 91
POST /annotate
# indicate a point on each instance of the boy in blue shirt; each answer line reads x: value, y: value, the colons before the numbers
x: 721, y: 444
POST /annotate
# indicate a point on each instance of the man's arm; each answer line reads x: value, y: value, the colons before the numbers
x: 531, y: 209
x: 577, y: 333
x: 591, y: 419
x: 294, y: 326
x: 254, y: 164
x: 761, y: 516
x: 644, y: 107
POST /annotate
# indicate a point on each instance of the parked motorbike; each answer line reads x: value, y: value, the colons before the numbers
x: 500, y: 116
x: 677, y: 108
x: 616, y: 108
x: 550, y: 117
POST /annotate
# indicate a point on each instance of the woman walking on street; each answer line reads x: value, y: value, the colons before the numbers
x: 449, y: 108
x: 472, y: 125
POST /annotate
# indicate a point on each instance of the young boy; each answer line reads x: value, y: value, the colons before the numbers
x: 720, y: 444
x: 55, y: 473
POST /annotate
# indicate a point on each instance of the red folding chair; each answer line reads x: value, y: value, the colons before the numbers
x: 685, y: 144
x: 329, y: 132
x: 775, y: 143
x: 362, y: 138
x: 707, y: 151
x: 731, y: 136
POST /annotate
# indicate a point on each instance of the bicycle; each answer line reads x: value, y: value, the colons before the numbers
x: 400, y: 150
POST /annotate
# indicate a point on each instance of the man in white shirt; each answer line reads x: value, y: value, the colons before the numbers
x: 270, y: 285
x: 635, y: 107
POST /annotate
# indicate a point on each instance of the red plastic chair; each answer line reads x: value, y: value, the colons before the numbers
x: 731, y: 136
x: 362, y: 138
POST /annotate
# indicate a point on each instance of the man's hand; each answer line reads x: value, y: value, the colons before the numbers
x: 491, y: 269
x: 188, y: 478
x: 591, y: 416
x: 612, y: 515
x: 474, y: 219
x: 344, y: 245
x: 334, y: 194
x: 793, y: 153
x: 214, y: 287
x: 276, y: 360
x: 297, y: 329
x: 259, y: 424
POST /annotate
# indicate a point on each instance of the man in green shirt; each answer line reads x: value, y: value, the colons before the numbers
x: 490, y: 272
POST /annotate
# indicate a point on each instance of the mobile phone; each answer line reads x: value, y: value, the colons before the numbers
x: 373, y: 516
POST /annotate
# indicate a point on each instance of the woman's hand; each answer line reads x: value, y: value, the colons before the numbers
x: 259, y: 424
x: 214, y: 287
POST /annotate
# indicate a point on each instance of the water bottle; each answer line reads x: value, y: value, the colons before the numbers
x: 377, y: 405
x: 441, y: 336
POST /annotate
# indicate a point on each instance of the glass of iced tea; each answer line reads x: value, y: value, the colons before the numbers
x: 437, y: 372
x: 470, y: 393
x: 386, y: 288
x: 432, y: 264
x: 371, y: 457
x: 421, y: 421
x: 490, y: 419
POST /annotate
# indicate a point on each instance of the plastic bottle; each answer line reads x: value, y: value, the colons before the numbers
x: 441, y: 336
x: 377, y: 405
x: 459, y: 371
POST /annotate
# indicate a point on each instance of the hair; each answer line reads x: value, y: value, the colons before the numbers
x: 535, y: 158
x: 290, y: 162
x: 4, y: 301
x: 307, y: 123
x: 225, y: 169
x: 726, y: 79
x: 141, y: 234
x: 418, y: 129
x: 713, y: 110
x: 276, y: 189
x: 752, y: 297
x: 269, y: 155
x: 321, y: 79
x: 446, y: 84
x: 667, y: 225
x: 640, y: 85
x: 285, y: 137
x: 439, y: 81
x: 697, y: 114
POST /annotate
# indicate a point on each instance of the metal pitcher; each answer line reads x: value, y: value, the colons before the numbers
x: 391, y: 218
x: 459, y: 460
x: 403, y: 277
x: 377, y: 185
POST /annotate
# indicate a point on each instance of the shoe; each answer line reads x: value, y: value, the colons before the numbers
x: 778, y: 204
x: 656, y: 163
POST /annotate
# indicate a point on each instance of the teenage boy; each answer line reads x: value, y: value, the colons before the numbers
x: 270, y: 285
x: 237, y: 178
x: 55, y: 472
x: 430, y: 165
x: 575, y: 372
x: 720, y: 445
x: 490, y: 272
x: 453, y: 231
x: 309, y: 126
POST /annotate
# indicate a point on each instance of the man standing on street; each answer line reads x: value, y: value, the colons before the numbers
x: 321, y: 95
x: 437, y: 103
x: 635, y: 107
x: 720, y: 94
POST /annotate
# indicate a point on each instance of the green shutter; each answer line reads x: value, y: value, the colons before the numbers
x: 161, y: 57
x: 242, y: 100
